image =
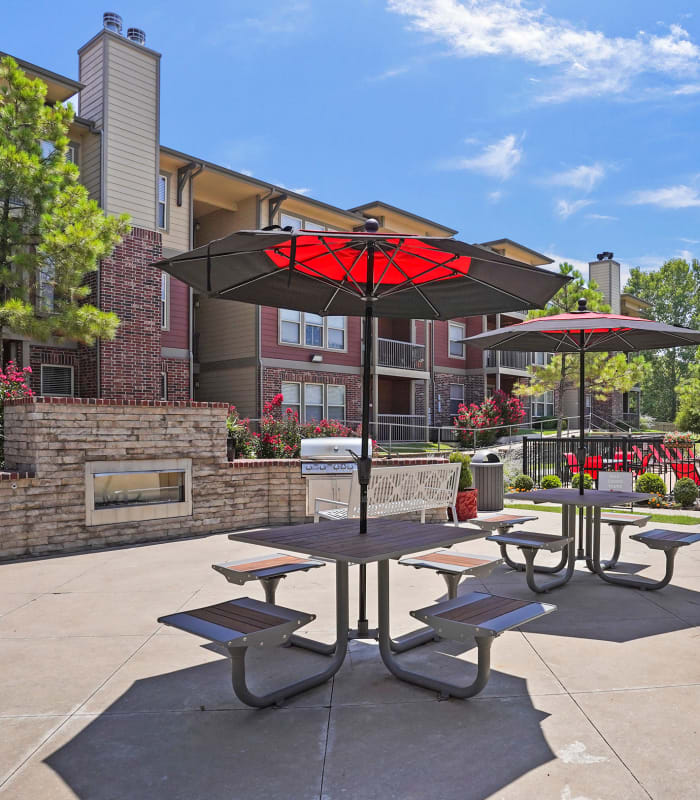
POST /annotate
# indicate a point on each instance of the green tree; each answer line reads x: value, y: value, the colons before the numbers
x: 688, y: 416
x: 673, y: 291
x: 605, y: 373
x: 51, y: 234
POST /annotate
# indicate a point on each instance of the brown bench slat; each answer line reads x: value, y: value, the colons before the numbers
x: 623, y: 518
x: 501, y: 518
x: 236, y: 618
x: 483, y: 610
x: 266, y: 563
x: 455, y: 560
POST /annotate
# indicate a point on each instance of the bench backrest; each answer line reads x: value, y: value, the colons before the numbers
x: 396, y: 490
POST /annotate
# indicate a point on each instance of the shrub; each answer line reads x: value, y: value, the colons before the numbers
x: 678, y: 439
x: 550, y: 482
x: 650, y: 483
x: 239, y: 433
x: 587, y: 480
x: 13, y: 386
x: 465, y: 476
x: 523, y: 483
x: 688, y: 417
x: 491, y: 417
x: 685, y: 492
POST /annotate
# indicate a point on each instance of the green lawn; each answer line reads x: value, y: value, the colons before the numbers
x: 675, y: 519
x: 418, y: 447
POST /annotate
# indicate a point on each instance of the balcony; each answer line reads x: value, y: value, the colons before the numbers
x: 509, y: 359
x: 401, y: 355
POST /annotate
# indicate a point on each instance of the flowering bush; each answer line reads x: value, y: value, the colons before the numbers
x: 13, y: 386
x: 523, y: 483
x: 280, y: 432
x: 492, y: 417
x: 678, y: 439
x: 659, y: 501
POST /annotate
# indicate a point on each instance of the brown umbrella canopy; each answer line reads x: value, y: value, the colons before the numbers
x: 417, y: 277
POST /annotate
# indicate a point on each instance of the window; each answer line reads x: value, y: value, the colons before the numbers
x: 543, y: 405
x: 291, y: 397
x: 301, y: 222
x: 45, y: 282
x: 165, y: 301
x: 541, y: 359
x: 456, y: 398
x: 319, y: 333
x: 56, y: 381
x: 456, y: 332
x: 335, y: 401
x: 162, y: 201
x: 313, y: 402
x: 163, y: 385
x: 336, y: 333
x: 313, y: 330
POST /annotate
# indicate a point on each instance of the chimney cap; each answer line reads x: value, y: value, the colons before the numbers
x: 136, y: 35
x: 112, y: 21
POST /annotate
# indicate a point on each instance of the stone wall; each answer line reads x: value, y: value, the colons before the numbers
x: 49, y: 440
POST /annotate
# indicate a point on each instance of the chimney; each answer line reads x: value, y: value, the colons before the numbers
x: 605, y: 271
x: 136, y: 35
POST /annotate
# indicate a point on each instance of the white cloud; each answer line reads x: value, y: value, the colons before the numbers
x: 604, y: 217
x: 498, y: 159
x: 680, y: 196
x: 581, y: 266
x: 581, y: 61
x: 584, y: 177
x: 687, y: 88
x: 690, y: 241
x: 494, y: 197
x: 687, y: 255
x: 394, y: 72
x: 299, y: 190
x: 566, y: 208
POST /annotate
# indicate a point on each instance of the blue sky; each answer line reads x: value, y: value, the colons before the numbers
x: 570, y: 127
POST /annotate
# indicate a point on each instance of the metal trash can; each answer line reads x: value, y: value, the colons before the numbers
x: 487, y: 471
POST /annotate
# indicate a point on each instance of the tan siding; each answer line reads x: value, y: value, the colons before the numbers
x: 132, y: 131
x: 90, y: 166
x: 237, y: 386
x: 91, y: 76
x: 177, y: 236
x: 226, y: 329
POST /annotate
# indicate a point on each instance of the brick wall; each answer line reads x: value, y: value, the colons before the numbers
x: 178, y: 375
x: 274, y: 376
x: 49, y: 440
x: 61, y: 356
x: 473, y: 393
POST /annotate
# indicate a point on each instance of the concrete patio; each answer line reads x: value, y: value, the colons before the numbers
x: 599, y: 701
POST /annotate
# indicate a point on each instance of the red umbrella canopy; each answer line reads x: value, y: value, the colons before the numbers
x: 587, y: 330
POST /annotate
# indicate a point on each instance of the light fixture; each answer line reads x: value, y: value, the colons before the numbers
x: 317, y: 358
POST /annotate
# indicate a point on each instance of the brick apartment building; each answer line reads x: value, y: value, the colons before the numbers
x: 174, y: 345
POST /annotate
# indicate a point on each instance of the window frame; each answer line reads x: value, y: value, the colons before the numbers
x: 450, y: 340
x: 335, y: 405
x: 323, y: 401
x: 164, y: 301
x: 302, y: 332
x: 304, y: 222
x: 286, y: 404
x: 542, y: 400
x: 165, y: 176
x: 460, y: 401
x: 57, y: 366
x: 300, y: 407
x: 163, y: 385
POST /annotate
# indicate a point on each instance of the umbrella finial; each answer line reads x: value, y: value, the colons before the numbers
x: 582, y: 303
x: 371, y: 226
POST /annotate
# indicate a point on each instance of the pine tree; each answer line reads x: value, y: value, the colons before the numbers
x: 51, y: 234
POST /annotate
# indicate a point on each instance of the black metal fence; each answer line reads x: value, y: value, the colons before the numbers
x: 553, y: 456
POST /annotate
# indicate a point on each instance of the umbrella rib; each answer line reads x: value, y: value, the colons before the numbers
x: 498, y: 289
x: 318, y: 275
x: 352, y: 266
x: 390, y: 260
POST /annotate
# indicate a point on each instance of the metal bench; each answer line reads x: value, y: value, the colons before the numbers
x: 501, y: 523
x: 656, y: 539
x: 618, y: 522
x: 476, y: 615
x: 453, y: 566
x: 397, y: 490
x: 268, y: 570
x: 530, y: 544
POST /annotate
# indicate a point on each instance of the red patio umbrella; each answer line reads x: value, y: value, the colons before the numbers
x: 363, y: 274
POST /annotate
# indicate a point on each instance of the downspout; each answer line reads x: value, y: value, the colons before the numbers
x: 190, y: 293
x: 258, y: 315
x: 98, y: 281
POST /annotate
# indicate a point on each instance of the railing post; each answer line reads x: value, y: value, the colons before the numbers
x: 391, y: 425
x: 525, y: 455
x: 439, y: 436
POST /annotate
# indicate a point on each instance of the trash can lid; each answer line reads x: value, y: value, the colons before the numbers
x: 485, y: 456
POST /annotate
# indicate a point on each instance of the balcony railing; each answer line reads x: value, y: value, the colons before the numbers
x: 512, y: 359
x: 405, y: 355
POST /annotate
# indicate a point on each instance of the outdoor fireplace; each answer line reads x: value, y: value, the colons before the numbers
x: 125, y: 491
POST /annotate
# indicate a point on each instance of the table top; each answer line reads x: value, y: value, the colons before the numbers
x: 342, y: 541
x: 572, y: 497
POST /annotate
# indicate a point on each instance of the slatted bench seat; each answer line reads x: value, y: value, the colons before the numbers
x: 656, y: 539
x: 501, y: 522
x: 269, y: 570
x: 453, y: 566
x: 480, y: 616
x: 530, y: 544
x: 618, y: 522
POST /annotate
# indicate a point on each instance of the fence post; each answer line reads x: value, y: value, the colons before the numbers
x: 474, y: 446
x: 524, y: 455
x: 391, y: 426
x: 439, y: 436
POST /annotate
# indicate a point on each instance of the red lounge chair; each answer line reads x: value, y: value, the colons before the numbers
x: 686, y: 469
x: 591, y: 465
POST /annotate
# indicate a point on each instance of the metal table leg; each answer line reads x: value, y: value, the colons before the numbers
x: 529, y: 553
x: 444, y: 688
x: 631, y: 583
x: 278, y: 696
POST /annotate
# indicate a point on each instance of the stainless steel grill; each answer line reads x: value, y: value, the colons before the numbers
x: 328, y: 465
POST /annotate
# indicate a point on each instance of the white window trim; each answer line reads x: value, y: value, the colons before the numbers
x: 323, y: 400
x: 62, y: 366
x: 345, y: 400
x: 165, y: 312
x: 302, y: 335
x: 462, y: 327
x: 302, y: 398
x: 305, y: 222
x: 166, y: 215
x: 164, y: 385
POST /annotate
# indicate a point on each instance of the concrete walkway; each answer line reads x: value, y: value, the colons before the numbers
x: 598, y: 701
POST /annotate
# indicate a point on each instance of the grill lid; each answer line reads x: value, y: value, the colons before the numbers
x: 331, y: 448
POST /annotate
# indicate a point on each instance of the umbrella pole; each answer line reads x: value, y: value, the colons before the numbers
x: 582, y: 439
